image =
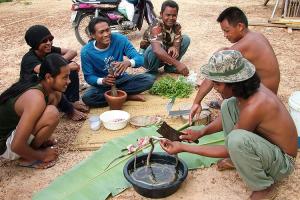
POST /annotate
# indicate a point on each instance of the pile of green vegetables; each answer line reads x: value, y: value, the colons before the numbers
x: 171, y: 87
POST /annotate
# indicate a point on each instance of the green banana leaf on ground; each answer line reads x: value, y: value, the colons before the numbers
x: 101, y: 174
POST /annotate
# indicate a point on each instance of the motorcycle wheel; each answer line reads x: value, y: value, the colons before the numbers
x: 81, y: 29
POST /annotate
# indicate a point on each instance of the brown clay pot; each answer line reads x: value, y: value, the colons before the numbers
x: 115, y: 103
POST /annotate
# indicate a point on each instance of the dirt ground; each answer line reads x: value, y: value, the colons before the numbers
x: 198, y: 18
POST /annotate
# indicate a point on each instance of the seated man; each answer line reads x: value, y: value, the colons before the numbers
x: 167, y: 44
x: 40, y: 40
x: 28, y: 115
x: 254, y: 46
x: 104, y: 51
x: 260, y: 135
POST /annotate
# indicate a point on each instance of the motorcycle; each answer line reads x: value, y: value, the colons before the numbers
x: 84, y: 10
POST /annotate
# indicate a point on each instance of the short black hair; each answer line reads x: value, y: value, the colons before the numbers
x: 247, y: 88
x: 94, y: 21
x: 234, y: 15
x: 169, y: 3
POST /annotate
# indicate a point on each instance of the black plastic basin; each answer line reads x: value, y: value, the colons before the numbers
x: 153, y: 191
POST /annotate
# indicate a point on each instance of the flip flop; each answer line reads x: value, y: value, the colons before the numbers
x: 214, y: 104
x: 37, y: 164
x: 225, y: 164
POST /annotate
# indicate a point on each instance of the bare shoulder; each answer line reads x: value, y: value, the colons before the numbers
x: 32, y: 97
x: 264, y: 100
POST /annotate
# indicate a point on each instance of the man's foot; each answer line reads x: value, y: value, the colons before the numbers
x: 79, y: 105
x: 37, y: 164
x: 78, y: 115
x: 136, y: 97
x: 225, y: 164
x: 267, y: 194
x: 215, y: 104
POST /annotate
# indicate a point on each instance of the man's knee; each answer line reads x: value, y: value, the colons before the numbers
x: 237, y: 140
x: 149, y: 79
x: 52, y: 114
x: 186, y: 40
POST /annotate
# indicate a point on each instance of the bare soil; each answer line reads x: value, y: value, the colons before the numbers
x: 198, y: 18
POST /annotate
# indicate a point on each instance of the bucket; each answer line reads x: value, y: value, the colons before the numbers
x: 294, y: 106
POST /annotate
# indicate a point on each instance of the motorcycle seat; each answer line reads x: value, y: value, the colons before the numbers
x: 99, y: 1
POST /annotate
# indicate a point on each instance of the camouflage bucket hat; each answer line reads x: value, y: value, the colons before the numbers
x: 228, y: 66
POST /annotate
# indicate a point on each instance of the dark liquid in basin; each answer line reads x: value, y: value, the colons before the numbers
x: 156, y: 174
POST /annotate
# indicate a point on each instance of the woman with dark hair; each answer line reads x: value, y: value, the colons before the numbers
x: 28, y: 114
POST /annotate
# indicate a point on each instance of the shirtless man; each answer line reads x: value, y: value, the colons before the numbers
x: 253, y: 46
x: 28, y: 114
x: 260, y: 135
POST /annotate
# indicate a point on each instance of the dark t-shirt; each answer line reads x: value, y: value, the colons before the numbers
x: 30, y: 60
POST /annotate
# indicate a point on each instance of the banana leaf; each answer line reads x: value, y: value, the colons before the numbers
x: 92, y: 179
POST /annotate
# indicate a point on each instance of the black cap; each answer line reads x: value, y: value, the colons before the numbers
x: 35, y: 35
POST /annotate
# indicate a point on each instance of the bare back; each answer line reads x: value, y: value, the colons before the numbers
x: 264, y: 114
x: 256, y: 48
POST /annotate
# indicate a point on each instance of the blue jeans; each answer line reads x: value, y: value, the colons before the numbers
x: 152, y: 63
x: 131, y: 84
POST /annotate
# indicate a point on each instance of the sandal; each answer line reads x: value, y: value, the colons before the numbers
x: 37, y: 164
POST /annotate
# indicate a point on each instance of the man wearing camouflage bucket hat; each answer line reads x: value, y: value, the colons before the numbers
x: 260, y: 135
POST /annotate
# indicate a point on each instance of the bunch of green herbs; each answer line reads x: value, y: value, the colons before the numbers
x: 171, y: 87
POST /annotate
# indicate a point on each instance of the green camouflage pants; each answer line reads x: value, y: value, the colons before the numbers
x: 258, y: 162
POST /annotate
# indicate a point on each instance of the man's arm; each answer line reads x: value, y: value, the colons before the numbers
x: 136, y: 59
x: 213, y: 127
x: 205, y: 87
x: 87, y: 69
x: 68, y: 54
x: 215, y: 151
x: 30, y: 114
x: 30, y: 65
x: 165, y: 57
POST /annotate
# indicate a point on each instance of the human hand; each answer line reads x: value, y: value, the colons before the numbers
x: 74, y: 66
x: 195, y: 110
x: 109, y: 80
x: 182, y: 69
x: 173, y: 52
x: 50, y: 154
x: 171, y: 147
x: 191, y: 135
x: 121, y: 67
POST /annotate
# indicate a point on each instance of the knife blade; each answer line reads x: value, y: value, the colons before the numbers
x: 179, y: 112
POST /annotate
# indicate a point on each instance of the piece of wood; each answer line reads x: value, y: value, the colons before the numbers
x: 265, y: 24
x: 287, y: 20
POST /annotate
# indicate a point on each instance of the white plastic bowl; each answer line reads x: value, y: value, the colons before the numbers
x: 115, y: 119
